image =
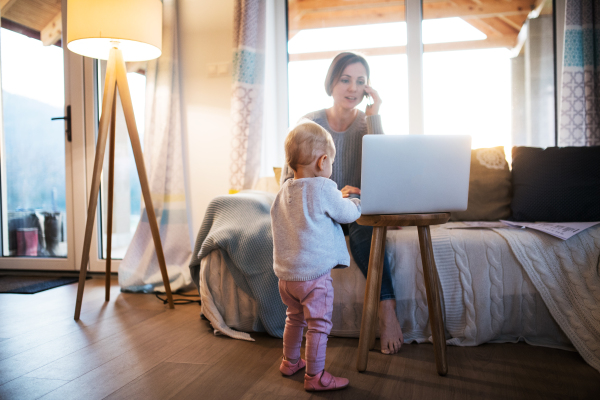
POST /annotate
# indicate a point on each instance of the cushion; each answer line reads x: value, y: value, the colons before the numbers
x: 489, y: 187
x: 277, y: 171
x: 556, y: 184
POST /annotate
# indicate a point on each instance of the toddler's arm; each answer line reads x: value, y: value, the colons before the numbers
x: 339, y: 209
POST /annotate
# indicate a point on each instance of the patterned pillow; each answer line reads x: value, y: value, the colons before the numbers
x: 556, y: 184
x: 489, y: 187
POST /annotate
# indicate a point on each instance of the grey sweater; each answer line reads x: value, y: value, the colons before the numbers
x: 348, y: 144
x: 308, y: 240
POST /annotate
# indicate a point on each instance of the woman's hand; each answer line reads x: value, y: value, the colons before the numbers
x: 373, y: 109
x: 348, y: 190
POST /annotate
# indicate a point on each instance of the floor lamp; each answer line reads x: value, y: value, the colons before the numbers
x: 117, y: 31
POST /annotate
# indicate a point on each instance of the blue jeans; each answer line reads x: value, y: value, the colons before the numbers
x: 360, y: 247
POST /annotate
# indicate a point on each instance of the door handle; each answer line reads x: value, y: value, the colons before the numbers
x: 68, y: 119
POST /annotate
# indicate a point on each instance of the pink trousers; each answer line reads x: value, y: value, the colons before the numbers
x: 309, y: 303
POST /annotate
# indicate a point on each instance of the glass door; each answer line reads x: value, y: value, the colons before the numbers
x: 35, y: 142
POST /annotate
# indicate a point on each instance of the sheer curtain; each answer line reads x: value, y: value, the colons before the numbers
x: 580, y: 105
x: 248, y: 93
x: 163, y: 155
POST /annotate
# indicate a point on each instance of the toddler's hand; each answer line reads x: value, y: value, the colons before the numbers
x: 348, y: 190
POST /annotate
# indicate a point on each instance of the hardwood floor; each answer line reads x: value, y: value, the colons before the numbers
x: 135, y: 348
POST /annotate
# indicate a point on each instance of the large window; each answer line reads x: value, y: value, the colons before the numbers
x: 487, y: 65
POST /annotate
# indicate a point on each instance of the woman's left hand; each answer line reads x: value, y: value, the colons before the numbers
x: 373, y: 109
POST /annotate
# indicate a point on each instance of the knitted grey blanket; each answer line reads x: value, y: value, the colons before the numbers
x: 240, y: 227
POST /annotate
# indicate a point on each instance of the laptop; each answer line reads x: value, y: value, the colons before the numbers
x: 414, y: 174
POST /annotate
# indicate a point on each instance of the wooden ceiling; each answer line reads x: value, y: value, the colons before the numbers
x: 500, y: 20
x: 42, y: 16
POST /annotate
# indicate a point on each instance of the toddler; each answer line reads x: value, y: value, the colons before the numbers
x: 307, y: 243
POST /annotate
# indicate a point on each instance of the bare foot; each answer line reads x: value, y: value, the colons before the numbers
x: 390, y: 333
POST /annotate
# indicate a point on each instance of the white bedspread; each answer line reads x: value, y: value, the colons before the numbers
x: 567, y: 276
x: 488, y: 296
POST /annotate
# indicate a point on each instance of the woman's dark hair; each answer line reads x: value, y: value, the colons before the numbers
x: 339, y: 64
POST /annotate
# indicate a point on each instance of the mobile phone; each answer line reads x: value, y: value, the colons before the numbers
x: 369, y: 99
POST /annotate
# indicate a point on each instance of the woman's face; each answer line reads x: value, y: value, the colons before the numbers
x: 350, y: 88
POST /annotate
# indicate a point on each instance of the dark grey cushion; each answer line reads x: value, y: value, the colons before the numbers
x: 556, y: 184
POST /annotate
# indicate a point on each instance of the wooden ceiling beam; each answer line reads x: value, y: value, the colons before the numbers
x: 488, y: 8
x: 352, y: 13
x: 500, y: 26
x: 5, y: 5
x: 52, y: 32
x: 34, y: 14
x: 516, y: 26
x: 346, y: 18
x: 507, y: 42
x: 484, y: 27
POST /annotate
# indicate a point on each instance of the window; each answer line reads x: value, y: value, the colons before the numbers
x: 312, y: 49
x: 487, y: 69
x: 33, y: 148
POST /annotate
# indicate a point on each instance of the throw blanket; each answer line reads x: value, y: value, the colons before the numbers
x: 567, y: 276
x: 240, y: 227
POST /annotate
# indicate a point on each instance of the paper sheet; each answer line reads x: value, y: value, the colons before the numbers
x: 561, y: 230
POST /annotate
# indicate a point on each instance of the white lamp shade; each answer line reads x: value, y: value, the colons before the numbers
x: 136, y: 24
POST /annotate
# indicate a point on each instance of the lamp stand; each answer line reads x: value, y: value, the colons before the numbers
x: 116, y: 77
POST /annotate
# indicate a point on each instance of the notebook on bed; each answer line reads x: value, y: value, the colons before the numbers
x: 415, y: 174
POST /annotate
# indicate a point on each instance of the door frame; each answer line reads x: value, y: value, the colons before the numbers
x: 73, y: 74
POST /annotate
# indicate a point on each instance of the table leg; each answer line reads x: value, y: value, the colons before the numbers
x: 371, y: 302
x: 433, y: 300
x: 373, y: 335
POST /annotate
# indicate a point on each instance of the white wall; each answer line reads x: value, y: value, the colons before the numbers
x: 206, y: 37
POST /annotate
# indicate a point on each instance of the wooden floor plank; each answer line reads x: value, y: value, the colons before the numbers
x: 134, y: 348
x: 28, y: 388
x: 91, y: 320
x: 209, y: 351
x: 162, y: 382
x: 45, y: 309
x: 117, y: 372
x: 237, y: 370
x: 36, y: 358
x: 161, y: 327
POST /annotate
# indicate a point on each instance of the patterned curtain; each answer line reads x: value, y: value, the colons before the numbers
x: 248, y: 91
x: 580, y: 107
x: 163, y: 155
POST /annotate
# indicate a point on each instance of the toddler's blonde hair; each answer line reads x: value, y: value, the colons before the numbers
x: 305, y: 142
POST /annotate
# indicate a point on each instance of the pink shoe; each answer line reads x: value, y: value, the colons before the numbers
x: 324, y: 381
x: 289, y: 369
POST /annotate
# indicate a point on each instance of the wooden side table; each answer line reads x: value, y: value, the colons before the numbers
x: 373, y: 290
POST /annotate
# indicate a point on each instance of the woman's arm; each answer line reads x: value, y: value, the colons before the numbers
x: 373, y: 118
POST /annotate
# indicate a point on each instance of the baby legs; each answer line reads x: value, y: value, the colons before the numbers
x: 309, y: 303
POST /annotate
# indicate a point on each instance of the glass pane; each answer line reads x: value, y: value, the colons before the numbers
x: 481, y: 78
x: 127, y: 190
x: 33, y: 148
x: 372, y: 28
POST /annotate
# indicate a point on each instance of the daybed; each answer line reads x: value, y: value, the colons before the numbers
x: 498, y: 284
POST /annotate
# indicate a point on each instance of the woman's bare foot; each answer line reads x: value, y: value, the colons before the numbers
x: 390, y: 333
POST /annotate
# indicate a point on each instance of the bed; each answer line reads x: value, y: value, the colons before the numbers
x: 498, y: 285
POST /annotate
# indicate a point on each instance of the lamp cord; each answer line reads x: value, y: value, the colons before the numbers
x: 178, y: 301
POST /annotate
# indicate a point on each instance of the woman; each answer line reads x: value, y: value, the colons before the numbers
x: 347, y: 82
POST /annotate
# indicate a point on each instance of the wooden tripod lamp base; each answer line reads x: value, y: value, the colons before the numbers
x: 116, y: 77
